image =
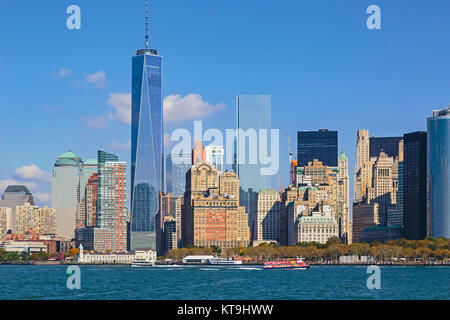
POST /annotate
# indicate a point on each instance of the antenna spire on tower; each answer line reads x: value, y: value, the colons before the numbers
x: 146, y: 24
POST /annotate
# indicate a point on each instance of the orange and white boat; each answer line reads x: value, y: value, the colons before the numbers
x: 295, y: 264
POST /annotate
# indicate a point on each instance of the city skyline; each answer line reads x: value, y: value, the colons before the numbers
x: 103, y: 89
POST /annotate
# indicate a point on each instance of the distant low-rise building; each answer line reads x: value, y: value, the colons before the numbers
x: 25, y: 246
x: 114, y: 258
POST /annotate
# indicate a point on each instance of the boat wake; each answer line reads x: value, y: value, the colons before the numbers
x: 249, y: 268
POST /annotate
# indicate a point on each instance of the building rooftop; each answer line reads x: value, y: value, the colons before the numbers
x: 66, y: 162
x: 443, y: 112
x: 17, y: 188
x: 69, y: 155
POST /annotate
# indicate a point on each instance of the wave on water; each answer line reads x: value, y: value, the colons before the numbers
x: 249, y: 268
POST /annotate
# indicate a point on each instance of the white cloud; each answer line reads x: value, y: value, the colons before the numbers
x: 42, y: 197
x: 189, y: 107
x: 121, y: 102
x: 62, y: 73
x: 31, y: 172
x: 117, y: 146
x: 95, y: 123
x: 98, y: 78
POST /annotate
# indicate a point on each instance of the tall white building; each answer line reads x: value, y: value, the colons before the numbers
x: 66, y: 193
x: 215, y: 155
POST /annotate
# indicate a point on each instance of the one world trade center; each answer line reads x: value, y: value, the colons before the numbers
x: 146, y: 146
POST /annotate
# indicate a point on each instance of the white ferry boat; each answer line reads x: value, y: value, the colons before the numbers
x: 141, y: 262
x: 224, y: 262
x: 209, y: 260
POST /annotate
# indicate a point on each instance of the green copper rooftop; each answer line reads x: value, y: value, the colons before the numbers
x: 66, y: 162
x: 69, y: 155
x: 342, y: 155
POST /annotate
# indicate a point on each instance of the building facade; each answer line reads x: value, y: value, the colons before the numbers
x: 112, y: 203
x: 364, y: 216
x: 40, y: 220
x: 415, y: 186
x: 216, y: 156
x: 388, y: 145
x: 198, y: 153
x: 344, y: 199
x: 13, y: 196
x: 91, y: 199
x: 87, y: 169
x: 95, y: 239
x: 321, y: 145
x: 210, y: 217
x: 267, y: 219
x: 66, y: 193
x: 317, y: 227
x: 5, y: 218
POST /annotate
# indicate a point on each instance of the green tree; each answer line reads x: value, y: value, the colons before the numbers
x: 216, y: 250
x: 3, y: 255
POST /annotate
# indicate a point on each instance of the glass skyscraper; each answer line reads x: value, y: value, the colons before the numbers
x: 439, y: 173
x: 146, y: 147
x: 321, y: 145
x: 176, y: 168
x: 252, y: 112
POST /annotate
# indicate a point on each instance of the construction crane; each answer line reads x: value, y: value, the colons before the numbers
x: 292, y: 163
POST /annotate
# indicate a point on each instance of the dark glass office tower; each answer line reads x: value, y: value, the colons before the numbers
x: 146, y: 147
x: 415, y: 185
x: 388, y: 145
x: 321, y: 145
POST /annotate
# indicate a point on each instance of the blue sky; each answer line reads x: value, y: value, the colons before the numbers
x: 67, y: 89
